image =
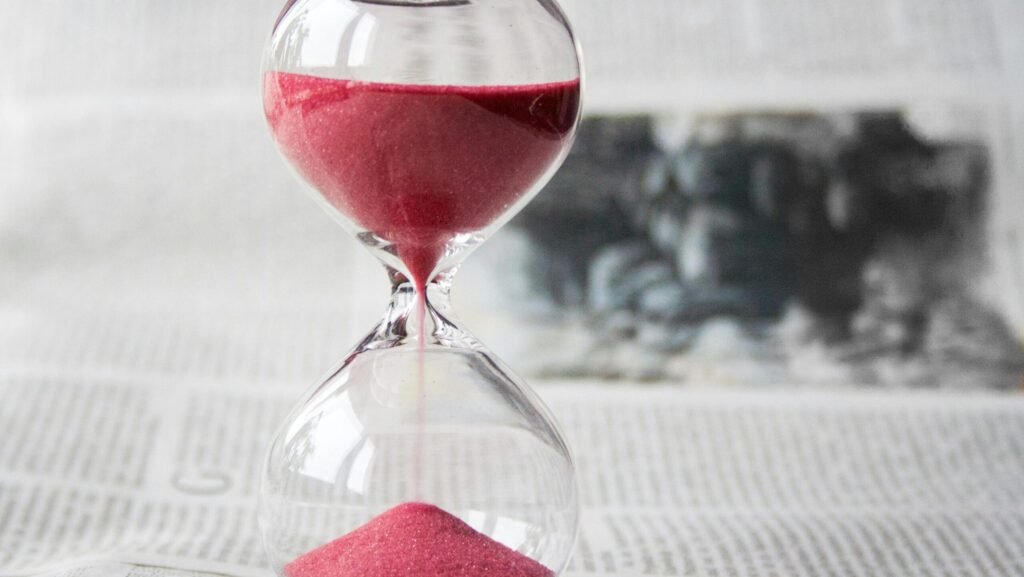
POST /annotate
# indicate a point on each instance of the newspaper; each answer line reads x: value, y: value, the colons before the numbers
x: 99, y: 474
x: 739, y: 53
x: 127, y: 373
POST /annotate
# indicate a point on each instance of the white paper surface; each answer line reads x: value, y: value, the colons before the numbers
x: 100, y: 470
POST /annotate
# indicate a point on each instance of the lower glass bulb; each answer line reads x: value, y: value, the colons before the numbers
x: 435, y: 458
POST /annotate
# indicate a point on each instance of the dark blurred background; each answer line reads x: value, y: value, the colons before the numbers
x: 774, y: 247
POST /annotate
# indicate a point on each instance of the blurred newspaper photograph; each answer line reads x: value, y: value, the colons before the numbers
x: 746, y: 211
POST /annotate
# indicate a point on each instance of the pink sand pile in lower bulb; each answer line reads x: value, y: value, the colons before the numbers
x: 415, y: 540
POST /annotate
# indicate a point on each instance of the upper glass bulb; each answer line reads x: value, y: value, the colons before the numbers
x: 424, y: 124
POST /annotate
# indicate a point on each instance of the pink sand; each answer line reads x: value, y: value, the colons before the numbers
x: 419, y: 164
x: 415, y: 540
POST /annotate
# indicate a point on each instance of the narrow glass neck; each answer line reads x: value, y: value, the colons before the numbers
x: 411, y: 320
x: 405, y: 298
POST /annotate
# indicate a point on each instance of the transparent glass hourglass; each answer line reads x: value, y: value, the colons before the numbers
x: 422, y: 126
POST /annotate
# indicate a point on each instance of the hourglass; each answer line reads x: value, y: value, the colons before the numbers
x: 423, y: 126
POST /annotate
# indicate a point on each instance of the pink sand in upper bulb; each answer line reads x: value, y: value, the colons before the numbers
x: 415, y: 540
x: 415, y: 164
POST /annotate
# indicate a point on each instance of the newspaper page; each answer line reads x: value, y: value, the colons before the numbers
x: 746, y: 53
x: 100, y: 474
x: 148, y: 469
